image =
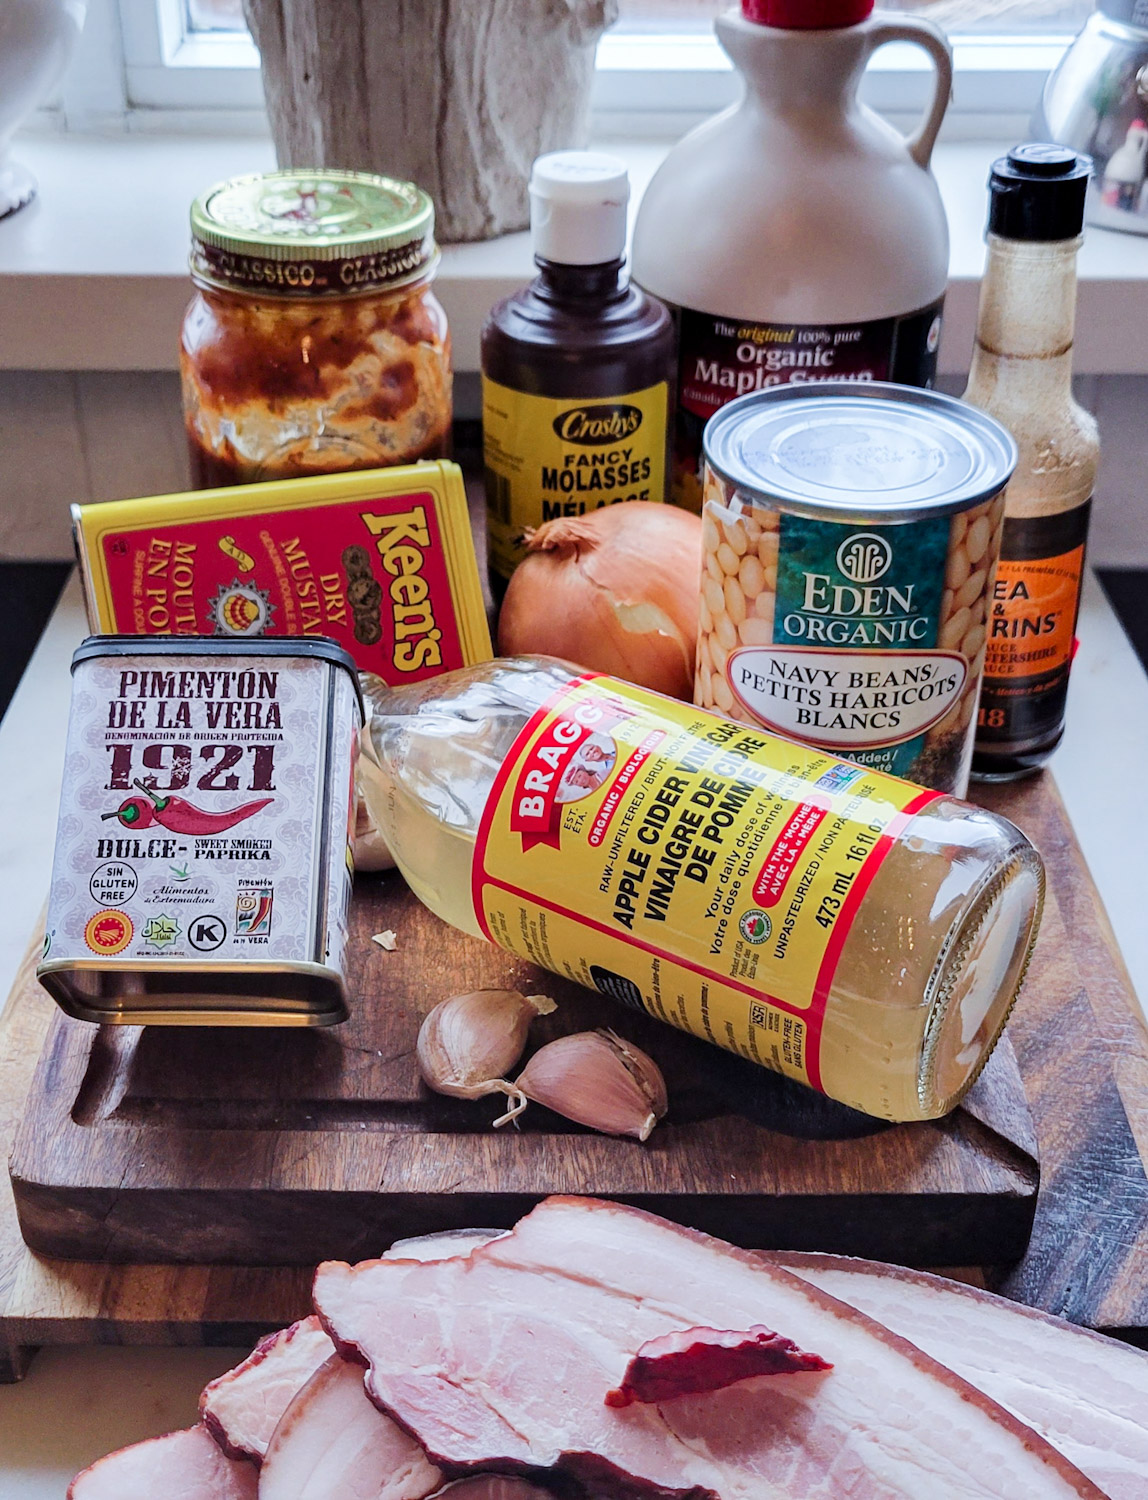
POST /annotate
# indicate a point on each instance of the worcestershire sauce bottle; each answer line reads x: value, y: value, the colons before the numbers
x: 1022, y: 375
x: 576, y: 367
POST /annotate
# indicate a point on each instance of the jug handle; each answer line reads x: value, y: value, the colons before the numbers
x: 930, y: 37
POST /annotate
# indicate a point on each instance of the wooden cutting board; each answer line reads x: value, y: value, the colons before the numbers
x: 273, y: 1148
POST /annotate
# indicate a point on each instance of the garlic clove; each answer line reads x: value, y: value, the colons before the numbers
x: 599, y: 1080
x: 467, y: 1043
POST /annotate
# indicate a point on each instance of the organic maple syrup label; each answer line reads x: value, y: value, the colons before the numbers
x: 1033, y: 605
x: 686, y: 865
x: 722, y: 358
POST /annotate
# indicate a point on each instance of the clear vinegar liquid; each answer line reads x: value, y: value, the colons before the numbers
x: 932, y: 962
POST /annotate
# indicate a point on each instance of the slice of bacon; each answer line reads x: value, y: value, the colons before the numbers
x: 695, y: 1360
x: 493, y: 1487
x: 500, y: 1360
x: 242, y: 1408
x: 185, y: 1465
x: 333, y: 1444
x: 1087, y: 1394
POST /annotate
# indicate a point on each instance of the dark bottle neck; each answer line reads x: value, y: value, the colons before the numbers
x: 562, y: 283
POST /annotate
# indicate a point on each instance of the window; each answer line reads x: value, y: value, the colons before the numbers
x: 659, y: 68
x: 1003, y: 52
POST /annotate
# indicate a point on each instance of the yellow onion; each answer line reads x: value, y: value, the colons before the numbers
x: 614, y: 591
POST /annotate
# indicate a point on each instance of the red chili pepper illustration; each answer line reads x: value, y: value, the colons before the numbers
x: 180, y: 816
x: 136, y: 812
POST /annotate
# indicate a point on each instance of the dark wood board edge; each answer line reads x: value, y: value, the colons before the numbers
x: 1082, y: 1045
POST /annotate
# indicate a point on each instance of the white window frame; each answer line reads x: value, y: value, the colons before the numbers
x: 138, y: 71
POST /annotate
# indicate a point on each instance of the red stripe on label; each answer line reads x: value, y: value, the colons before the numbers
x: 779, y: 863
x: 510, y: 760
x: 841, y: 928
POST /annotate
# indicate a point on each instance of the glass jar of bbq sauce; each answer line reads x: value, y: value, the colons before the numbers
x: 314, y: 342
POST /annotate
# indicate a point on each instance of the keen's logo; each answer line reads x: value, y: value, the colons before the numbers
x: 402, y: 542
x: 864, y: 557
x: 591, y: 425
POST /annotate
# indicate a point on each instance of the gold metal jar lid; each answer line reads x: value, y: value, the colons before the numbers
x: 313, y: 234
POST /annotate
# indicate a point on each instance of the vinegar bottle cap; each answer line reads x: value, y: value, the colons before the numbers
x: 806, y: 15
x: 578, y: 207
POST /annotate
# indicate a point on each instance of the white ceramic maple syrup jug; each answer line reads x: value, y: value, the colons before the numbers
x: 798, y: 236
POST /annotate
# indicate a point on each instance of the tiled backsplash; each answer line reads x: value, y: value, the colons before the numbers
x: 104, y: 436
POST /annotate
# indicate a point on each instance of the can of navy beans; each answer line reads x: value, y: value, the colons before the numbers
x: 202, y: 869
x: 850, y: 537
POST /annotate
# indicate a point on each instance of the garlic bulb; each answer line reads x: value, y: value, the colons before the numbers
x: 467, y: 1043
x: 597, y: 1079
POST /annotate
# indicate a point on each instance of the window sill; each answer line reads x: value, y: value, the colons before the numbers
x: 93, y: 274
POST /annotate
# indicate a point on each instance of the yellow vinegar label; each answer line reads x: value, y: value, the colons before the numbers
x: 683, y: 864
x: 547, y: 458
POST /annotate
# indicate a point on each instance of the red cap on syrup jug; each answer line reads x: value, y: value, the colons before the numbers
x: 806, y: 15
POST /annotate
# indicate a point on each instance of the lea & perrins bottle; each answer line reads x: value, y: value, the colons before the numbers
x: 1022, y: 375
x: 576, y: 367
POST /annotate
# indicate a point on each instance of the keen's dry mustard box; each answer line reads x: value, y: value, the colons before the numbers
x: 381, y: 561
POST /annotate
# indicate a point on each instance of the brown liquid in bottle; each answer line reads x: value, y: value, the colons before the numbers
x: 577, y: 367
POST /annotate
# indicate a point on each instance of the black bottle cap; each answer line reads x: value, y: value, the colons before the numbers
x: 1037, y: 192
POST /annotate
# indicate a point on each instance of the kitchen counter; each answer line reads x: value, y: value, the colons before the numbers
x: 77, y: 1404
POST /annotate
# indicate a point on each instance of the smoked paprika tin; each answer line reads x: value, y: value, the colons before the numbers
x: 850, y: 536
x: 380, y: 560
x: 203, y: 853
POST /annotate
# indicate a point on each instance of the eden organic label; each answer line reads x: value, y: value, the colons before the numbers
x: 547, y: 458
x: 865, y: 702
x: 686, y: 865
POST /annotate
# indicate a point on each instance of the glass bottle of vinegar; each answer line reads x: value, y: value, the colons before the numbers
x: 836, y: 924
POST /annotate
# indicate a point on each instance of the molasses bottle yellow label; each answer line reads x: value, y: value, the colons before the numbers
x: 548, y: 457
x: 688, y: 866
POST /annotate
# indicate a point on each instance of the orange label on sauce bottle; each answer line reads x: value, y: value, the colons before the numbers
x: 1033, y: 606
x: 1032, y: 614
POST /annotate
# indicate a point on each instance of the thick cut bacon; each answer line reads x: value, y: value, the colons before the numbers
x: 184, y: 1465
x: 493, y: 1487
x: 696, y: 1360
x: 332, y: 1444
x: 242, y: 1408
x: 502, y: 1359
x: 1088, y: 1395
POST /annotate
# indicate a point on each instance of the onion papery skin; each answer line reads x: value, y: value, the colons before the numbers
x: 613, y: 591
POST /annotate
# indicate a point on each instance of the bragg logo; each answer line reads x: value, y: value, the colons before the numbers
x: 591, y: 425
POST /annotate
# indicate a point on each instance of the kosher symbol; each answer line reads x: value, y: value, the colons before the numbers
x: 207, y: 932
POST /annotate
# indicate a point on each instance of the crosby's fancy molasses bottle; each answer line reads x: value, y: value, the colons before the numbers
x: 1022, y: 375
x: 576, y: 367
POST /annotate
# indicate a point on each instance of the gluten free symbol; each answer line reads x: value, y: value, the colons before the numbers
x: 113, y: 883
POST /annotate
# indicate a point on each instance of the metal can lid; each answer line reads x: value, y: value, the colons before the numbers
x: 305, y: 649
x: 313, y: 233
x: 839, y: 451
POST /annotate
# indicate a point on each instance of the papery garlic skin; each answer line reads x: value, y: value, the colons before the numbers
x: 596, y: 1079
x: 467, y: 1043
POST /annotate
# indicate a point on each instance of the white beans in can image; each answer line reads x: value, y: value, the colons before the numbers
x: 850, y: 536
